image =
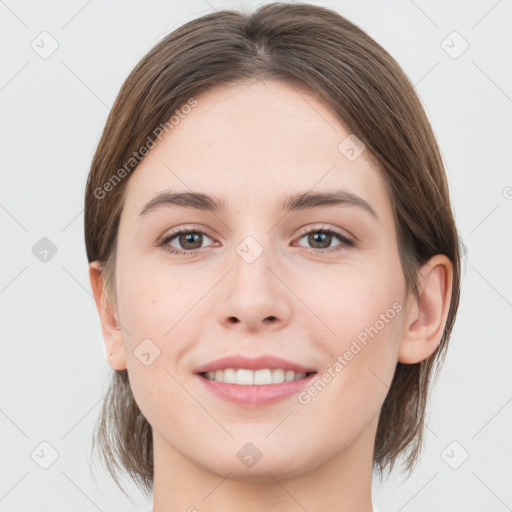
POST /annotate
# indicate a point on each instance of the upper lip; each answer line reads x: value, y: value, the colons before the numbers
x: 257, y: 363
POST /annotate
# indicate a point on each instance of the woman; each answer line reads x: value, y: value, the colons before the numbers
x: 275, y: 264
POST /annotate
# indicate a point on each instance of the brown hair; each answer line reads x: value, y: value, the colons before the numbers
x: 318, y: 48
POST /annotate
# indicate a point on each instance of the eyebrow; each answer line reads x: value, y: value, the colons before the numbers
x: 296, y: 202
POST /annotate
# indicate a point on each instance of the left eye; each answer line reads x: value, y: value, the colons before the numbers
x: 322, y: 238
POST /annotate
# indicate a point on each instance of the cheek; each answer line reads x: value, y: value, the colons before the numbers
x: 352, y: 299
x: 159, y: 309
x: 154, y: 312
x: 154, y: 302
x: 359, y: 364
x: 362, y: 313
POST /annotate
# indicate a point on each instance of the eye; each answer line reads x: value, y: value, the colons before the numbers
x: 321, y: 239
x: 188, y: 241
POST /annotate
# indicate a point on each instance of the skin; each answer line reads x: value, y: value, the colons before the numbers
x: 251, y: 144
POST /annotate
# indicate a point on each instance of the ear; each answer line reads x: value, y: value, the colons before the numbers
x: 112, y: 333
x: 426, y: 318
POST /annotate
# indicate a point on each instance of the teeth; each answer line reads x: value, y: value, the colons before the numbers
x: 245, y: 377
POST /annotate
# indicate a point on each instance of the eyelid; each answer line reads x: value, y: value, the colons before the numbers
x: 302, y: 231
x: 334, y: 229
x: 199, y: 228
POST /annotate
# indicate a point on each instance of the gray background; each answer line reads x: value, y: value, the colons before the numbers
x: 53, y: 367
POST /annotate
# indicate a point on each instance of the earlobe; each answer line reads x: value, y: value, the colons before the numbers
x: 426, y: 318
x: 112, y: 332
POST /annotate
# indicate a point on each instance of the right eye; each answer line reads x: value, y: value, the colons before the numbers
x: 189, y: 240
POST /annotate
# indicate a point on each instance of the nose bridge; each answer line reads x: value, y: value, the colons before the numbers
x: 253, y: 297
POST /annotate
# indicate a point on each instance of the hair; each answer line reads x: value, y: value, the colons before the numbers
x: 365, y: 87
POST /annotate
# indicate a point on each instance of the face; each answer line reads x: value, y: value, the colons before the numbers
x: 318, y: 284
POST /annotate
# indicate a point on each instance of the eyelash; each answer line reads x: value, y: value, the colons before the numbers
x: 345, y: 241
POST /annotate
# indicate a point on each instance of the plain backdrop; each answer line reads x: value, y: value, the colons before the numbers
x: 53, y: 368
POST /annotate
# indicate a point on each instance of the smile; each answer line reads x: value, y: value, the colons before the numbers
x: 246, y: 377
x: 263, y: 392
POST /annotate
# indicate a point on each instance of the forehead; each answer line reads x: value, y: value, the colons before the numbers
x: 252, y: 142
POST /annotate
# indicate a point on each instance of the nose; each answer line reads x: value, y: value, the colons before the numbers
x: 254, y: 296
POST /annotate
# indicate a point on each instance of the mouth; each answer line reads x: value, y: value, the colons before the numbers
x: 251, y: 389
x: 254, y: 382
x: 248, y: 377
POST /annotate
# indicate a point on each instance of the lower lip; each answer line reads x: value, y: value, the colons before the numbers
x: 255, y: 395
